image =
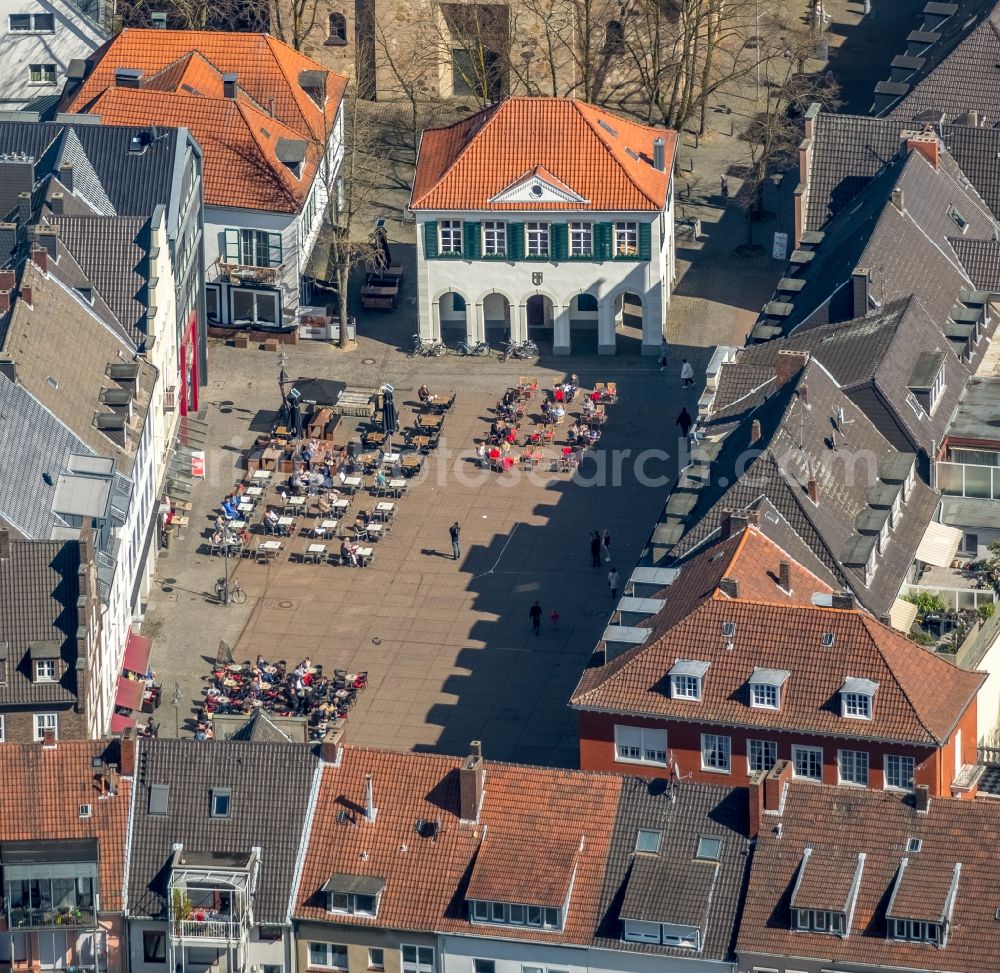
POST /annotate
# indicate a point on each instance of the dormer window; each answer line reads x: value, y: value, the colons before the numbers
x: 821, y: 903
x: 353, y: 895
x: 922, y: 901
x: 45, y: 670
x: 514, y: 914
x: 686, y: 678
x: 857, y: 698
x: 927, y: 380
x: 766, y: 687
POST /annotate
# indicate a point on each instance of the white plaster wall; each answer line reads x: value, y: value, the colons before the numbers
x: 75, y: 36
x: 988, y: 701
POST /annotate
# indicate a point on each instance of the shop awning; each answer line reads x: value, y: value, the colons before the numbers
x: 129, y: 694
x: 138, y: 650
x: 119, y: 723
x: 901, y: 615
x: 939, y: 545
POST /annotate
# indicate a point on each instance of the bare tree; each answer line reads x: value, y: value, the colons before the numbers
x: 354, y: 190
x: 242, y: 15
x: 291, y: 21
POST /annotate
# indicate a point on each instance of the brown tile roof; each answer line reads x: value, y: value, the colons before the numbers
x: 603, y: 158
x: 879, y: 824
x: 498, y: 876
x: 182, y: 87
x: 825, y: 881
x: 43, y: 791
x: 530, y: 818
x: 920, y: 696
x: 921, y: 889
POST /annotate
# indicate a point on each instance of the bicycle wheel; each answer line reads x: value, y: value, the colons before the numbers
x: 462, y: 349
x: 484, y: 350
x: 237, y: 596
x: 440, y: 350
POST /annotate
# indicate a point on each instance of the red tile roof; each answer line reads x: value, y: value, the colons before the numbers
x: 181, y: 86
x: 839, y: 824
x: 602, y: 157
x: 920, y: 696
x: 42, y: 793
x: 530, y: 819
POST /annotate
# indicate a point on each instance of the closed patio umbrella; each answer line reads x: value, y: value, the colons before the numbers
x: 390, y: 420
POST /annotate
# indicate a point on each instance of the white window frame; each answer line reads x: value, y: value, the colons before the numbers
x: 487, y: 965
x: 640, y: 745
x: 374, y: 964
x: 853, y: 767
x: 3, y: 728
x: 766, y: 755
x: 45, y: 670
x: 417, y: 965
x: 479, y: 911
x: 581, y: 239
x: 716, y: 753
x: 765, y: 696
x: 538, y: 239
x: 915, y: 931
x: 43, y: 74
x: 214, y: 292
x: 450, y: 230
x: 328, y: 951
x: 894, y: 774
x: 856, y: 706
x: 258, y: 295
x: 810, y: 756
x: 937, y: 388
x: 683, y: 686
x: 43, y: 722
x: 626, y: 239
x: 494, y: 238
x: 32, y: 27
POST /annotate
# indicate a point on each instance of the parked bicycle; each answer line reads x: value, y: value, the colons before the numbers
x: 427, y: 348
x: 524, y: 349
x: 227, y: 592
x: 479, y: 349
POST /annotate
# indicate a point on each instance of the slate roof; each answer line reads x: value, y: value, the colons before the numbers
x: 958, y: 73
x: 603, y: 158
x: 920, y: 695
x: 62, y: 351
x: 981, y: 260
x: 43, y: 790
x: 182, y: 85
x: 269, y: 817
x: 39, y: 588
x: 838, y: 821
x: 36, y: 444
x: 796, y: 438
x: 113, y: 255
x: 676, y: 886
x: 529, y: 820
x: 107, y: 176
x: 871, y: 358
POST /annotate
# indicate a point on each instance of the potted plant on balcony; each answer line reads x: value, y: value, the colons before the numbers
x: 181, y: 907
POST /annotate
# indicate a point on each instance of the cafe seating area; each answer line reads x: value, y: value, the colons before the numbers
x: 543, y: 429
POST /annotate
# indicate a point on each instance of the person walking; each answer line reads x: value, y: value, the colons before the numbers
x: 613, y: 582
x: 456, y: 532
x: 595, y: 549
x: 685, y: 421
x: 554, y: 618
x: 687, y: 373
x: 606, y: 545
x: 724, y: 187
x: 535, y: 614
x: 663, y: 353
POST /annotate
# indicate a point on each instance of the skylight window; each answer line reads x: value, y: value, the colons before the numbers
x: 221, y: 800
x: 914, y: 845
x: 827, y: 639
x: 709, y: 848
x: 960, y: 221
x: 728, y: 629
x: 648, y: 842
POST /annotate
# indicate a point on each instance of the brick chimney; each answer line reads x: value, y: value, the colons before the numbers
x: 898, y: 201
x: 812, y: 487
x: 332, y: 746
x: 26, y: 295
x: 922, y: 798
x: 7, y: 280
x: 4, y: 302
x: 803, y: 393
x: 788, y: 364
x: 927, y: 144
x: 40, y: 258
x: 860, y: 282
x: 24, y: 208
x: 66, y: 176
x: 785, y: 575
x: 755, y: 792
x: 49, y: 740
x: 733, y: 521
x: 774, y: 784
x: 730, y: 587
x: 126, y: 752
x: 471, y: 783
x: 754, y: 431
x: 56, y: 203
x: 842, y: 599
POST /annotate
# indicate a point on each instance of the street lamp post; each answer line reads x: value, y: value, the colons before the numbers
x: 776, y: 178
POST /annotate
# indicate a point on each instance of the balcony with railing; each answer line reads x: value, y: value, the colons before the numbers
x: 61, y: 918
x: 211, y: 902
x: 50, y: 885
x: 216, y: 927
x: 968, y: 480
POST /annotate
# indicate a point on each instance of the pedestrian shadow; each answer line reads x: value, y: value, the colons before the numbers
x: 430, y: 552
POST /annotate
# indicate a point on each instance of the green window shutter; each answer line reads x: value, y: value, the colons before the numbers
x: 560, y: 241
x: 232, y: 246
x: 602, y: 241
x: 274, y: 249
x: 645, y: 241
x: 431, y: 238
x: 472, y: 240
x: 515, y: 241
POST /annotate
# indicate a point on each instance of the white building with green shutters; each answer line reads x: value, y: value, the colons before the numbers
x: 548, y: 218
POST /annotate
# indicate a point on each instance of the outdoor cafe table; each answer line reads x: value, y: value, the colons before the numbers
x: 296, y: 503
x: 420, y: 442
x: 385, y: 510
x: 430, y: 423
x: 374, y: 529
x: 374, y: 438
x: 398, y: 487
x: 262, y: 475
x: 340, y: 505
x: 288, y: 522
x: 314, y: 552
x: 390, y: 459
x: 255, y: 491
x: 365, y: 555
x: 268, y: 549
x: 245, y: 507
x: 327, y: 527
x: 352, y: 483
